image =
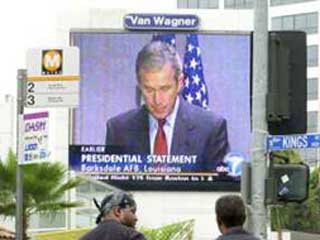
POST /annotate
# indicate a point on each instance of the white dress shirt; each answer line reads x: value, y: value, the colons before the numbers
x: 168, y: 127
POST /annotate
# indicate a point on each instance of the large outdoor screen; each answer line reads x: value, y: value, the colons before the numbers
x: 157, y: 124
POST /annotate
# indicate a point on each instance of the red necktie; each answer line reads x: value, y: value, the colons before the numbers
x: 160, y: 144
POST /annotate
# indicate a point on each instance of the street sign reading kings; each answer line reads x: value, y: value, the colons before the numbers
x: 302, y: 141
x: 161, y: 21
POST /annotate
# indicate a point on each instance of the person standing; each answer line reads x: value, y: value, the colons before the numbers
x: 167, y: 124
x: 231, y: 215
x: 116, y: 220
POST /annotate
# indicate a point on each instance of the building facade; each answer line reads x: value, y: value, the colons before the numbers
x: 219, y: 15
x: 7, y: 126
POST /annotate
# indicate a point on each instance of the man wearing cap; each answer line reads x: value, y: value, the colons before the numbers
x: 116, y: 220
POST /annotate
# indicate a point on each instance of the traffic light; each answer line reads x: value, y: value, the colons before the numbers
x: 287, y: 83
x: 287, y: 183
x: 284, y: 183
x: 291, y: 182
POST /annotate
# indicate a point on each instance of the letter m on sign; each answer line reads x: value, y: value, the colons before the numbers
x: 52, y: 61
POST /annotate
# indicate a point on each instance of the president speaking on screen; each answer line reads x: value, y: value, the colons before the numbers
x: 167, y: 123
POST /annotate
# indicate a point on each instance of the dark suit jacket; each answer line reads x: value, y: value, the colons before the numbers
x: 112, y: 230
x: 237, y: 233
x: 196, y: 132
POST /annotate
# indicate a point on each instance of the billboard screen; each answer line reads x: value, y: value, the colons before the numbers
x: 152, y: 122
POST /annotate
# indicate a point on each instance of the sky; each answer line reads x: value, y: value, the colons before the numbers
x: 33, y: 23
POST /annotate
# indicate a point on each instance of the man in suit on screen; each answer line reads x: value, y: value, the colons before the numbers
x: 166, y: 123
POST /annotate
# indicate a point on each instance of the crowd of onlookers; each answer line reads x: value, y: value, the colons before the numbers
x: 117, y: 219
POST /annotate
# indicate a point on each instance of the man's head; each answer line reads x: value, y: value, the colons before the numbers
x: 230, y: 212
x: 119, y: 206
x: 159, y: 74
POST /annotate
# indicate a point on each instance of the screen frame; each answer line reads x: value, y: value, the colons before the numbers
x: 223, y: 184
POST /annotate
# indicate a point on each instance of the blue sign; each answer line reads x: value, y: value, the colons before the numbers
x: 161, y: 21
x: 282, y: 142
x: 101, y: 159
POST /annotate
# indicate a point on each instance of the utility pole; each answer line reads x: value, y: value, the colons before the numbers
x: 259, y: 92
x: 21, y: 77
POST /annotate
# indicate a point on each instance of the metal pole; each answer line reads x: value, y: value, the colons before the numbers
x: 22, y: 75
x: 259, y: 91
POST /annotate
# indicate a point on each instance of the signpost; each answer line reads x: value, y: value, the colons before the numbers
x: 21, y: 77
x: 53, y: 77
x: 51, y: 80
x: 258, y: 211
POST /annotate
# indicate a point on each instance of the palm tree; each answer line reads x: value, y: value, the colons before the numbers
x: 45, y: 185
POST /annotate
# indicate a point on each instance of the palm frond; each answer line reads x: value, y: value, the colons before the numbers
x: 8, y: 209
x: 8, y: 172
x: 57, y: 206
x: 45, y: 185
x: 59, y: 192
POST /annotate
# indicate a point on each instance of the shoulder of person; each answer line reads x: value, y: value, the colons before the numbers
x: 200, y: 114
x: 127, y: 232
x: 106, y: 230
x: 128, y: 116
x: 238, y: 237
x: 135, y: 235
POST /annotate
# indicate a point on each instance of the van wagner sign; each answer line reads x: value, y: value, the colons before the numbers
x: 161, y: 21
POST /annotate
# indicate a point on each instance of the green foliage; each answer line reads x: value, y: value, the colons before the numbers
x: 299, y: 216
x: 172, y: 231
x: 65, y: 235
x: 291, y: 156
x: 45, y: 185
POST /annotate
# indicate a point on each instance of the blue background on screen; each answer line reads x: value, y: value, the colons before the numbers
x: 108, y: 81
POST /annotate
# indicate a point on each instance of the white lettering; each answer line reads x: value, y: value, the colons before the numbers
x: 52, y: 60
x: 295, y: 142
x: 136, y: 20
x: 133, y: 19
x: 158, y: 20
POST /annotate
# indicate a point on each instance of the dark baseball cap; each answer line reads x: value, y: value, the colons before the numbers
x: 114, y: 199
